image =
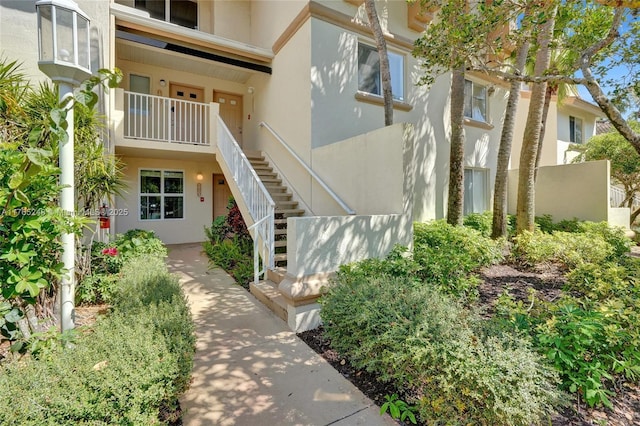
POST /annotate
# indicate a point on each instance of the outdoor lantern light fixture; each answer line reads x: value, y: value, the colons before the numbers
x: 63, y: 41
x: 64, y: 56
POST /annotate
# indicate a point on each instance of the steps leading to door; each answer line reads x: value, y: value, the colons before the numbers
x: 281, y: 195
x: 267, y: 291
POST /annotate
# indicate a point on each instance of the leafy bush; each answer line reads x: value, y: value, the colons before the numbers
x: 483, y: 223
x: 567, y: 249
x: 423, y: 341
x: 127, y: 369
x: 447, y: 254
x: 107, y: 259
x: 229, y: 245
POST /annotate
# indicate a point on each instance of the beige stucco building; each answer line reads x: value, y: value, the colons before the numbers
x: 277, y: 102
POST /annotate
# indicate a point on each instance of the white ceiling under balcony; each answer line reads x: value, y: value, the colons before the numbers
x: 135, y: 52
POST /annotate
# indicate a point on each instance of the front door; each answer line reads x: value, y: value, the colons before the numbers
x: 231, y: 112
x: 187, y: 118
x: 221, y: 194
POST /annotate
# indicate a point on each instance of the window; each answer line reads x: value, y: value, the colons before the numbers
x: 476, y: 182
x: 161, y: 194
x: 180, y: 12
x: 369, y: 79
x: 475, y: 101
x: 575, y: 129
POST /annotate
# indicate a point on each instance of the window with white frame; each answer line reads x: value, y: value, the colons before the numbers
x: 369, y: 77
x: 475, y: 101
x: 180, y: 12
x: 161, y: 194
x: 575, y: 129
x: 476, y: 195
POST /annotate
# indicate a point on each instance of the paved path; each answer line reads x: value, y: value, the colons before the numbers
x: 250, y: 369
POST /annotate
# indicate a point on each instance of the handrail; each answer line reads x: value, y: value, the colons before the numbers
x: 313, y: 174
x: 265, y: 246
x: 255, y: 196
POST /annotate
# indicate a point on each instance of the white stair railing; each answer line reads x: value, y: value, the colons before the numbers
x: 255, y: 196
x: 161, y: 119
x: 309, y: 170
x: 618, y: 195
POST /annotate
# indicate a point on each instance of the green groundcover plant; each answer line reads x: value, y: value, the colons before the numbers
x: 128, y: 368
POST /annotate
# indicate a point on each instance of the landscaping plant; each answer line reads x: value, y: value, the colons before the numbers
x: 229, y: 245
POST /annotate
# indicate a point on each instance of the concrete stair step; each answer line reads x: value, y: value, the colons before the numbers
x: 276, y: 189
x: 276, y: 275
x: 281, y: 196
x: 280, y: 221
x: 282, y: 231
x: 271, y: 180
x: 264, y: 174
x: 262, y: 167
x: 280, y: 243
x: 290, y: 212
x: 258, y: 163
x: 280, y: 204
x: 280, y: 257
x: 267, y: 292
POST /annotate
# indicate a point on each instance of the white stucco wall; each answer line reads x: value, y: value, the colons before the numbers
x: 321, y: 244
x: 197, y: 214
x: 337, y: 115
x: 568, y: 191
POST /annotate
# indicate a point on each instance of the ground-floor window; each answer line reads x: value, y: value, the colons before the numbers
x: 476, y: 192
x: 161, y: 194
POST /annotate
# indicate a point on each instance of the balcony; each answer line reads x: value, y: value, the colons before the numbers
x: 166, y: 124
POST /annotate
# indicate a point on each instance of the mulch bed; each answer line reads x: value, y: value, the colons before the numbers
x: 548, y: 281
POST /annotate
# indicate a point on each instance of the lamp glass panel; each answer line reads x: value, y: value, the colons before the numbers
x: 84, y: 57
x: 64, y: 35
x: 46, y: 33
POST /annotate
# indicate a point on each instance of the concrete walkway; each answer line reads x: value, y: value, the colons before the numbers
x: 250, y: 369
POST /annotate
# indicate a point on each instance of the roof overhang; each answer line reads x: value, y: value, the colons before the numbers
x: 135, y: 26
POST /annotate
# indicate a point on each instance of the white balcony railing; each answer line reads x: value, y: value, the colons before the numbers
x: 162, y: 119
x: 256, y: 197
x: 618, y: 196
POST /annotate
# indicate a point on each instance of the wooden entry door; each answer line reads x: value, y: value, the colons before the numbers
x: 188, y: 120
x: 221, y: 194
x: 231, y: 112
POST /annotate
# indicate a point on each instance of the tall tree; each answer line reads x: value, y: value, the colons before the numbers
x: 456, y: 155
x: 525, y: 209
x: 499, y: 224
x: 385, y: 72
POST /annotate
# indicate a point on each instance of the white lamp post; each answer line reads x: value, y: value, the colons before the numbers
x: 63, y: 46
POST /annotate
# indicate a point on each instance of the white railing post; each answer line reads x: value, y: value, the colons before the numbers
x: 255, y: 196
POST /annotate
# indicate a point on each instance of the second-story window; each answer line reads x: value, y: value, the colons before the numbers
x: 180, y: 12
x: 369, y: 78
x: 575, y: 129
x: 475, y: 101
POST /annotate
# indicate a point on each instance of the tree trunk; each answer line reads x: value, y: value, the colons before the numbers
x: 499, y: 226
x: 543, y: 125
x: 526, y: 176
x: 456, y: 159
x: 634, y: 215
x: 385, y: 73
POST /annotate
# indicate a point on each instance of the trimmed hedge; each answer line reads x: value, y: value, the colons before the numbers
x: 448, y: 361
x: 129, y: 368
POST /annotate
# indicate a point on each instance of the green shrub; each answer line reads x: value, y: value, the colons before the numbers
x: 483, y: 223
x: 447, y: 254
x: 614, y: 236
x: 95, y: 289
x: 129, y: 368
x: 567, y: 249
x: 424, y: 342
